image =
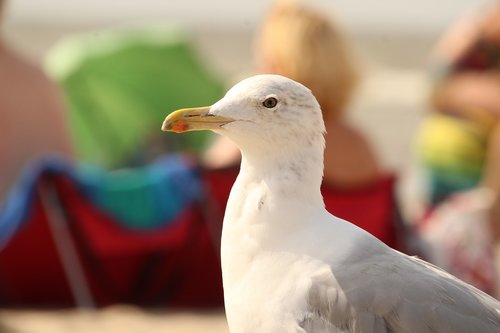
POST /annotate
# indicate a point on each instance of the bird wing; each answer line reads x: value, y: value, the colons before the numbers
x: 386, y: 291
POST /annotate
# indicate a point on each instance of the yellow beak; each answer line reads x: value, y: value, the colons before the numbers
x: 195, y: 119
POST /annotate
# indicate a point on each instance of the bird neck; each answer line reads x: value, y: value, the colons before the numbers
x: 293, y: 172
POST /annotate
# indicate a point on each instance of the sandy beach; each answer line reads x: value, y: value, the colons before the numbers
x: 123, y: 319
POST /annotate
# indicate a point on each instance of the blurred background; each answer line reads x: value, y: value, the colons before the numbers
x: 392, y: 40
x: 119, y: 229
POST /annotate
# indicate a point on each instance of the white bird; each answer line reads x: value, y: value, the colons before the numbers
x: 290, y: 266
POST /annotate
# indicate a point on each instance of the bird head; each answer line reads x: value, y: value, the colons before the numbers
x: 260, y: 111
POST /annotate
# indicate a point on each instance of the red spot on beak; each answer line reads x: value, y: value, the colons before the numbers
x: 179, y: 127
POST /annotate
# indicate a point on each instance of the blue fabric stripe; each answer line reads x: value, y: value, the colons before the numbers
x: 142, y: 198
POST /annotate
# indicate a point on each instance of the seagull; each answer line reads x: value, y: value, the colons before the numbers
x: 288, y: 265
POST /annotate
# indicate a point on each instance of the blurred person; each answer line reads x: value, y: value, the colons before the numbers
x: 32, y: 116
x: 452, y: 141
x: 462, y: 233
x: 307, y: 46
x: 458, y: 148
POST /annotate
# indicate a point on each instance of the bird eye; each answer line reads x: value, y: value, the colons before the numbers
x: 270, y: 102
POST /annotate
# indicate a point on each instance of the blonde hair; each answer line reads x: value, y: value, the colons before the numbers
x: 307, y: 47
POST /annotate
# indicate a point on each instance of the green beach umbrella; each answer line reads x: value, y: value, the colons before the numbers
x: 120, y: 85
